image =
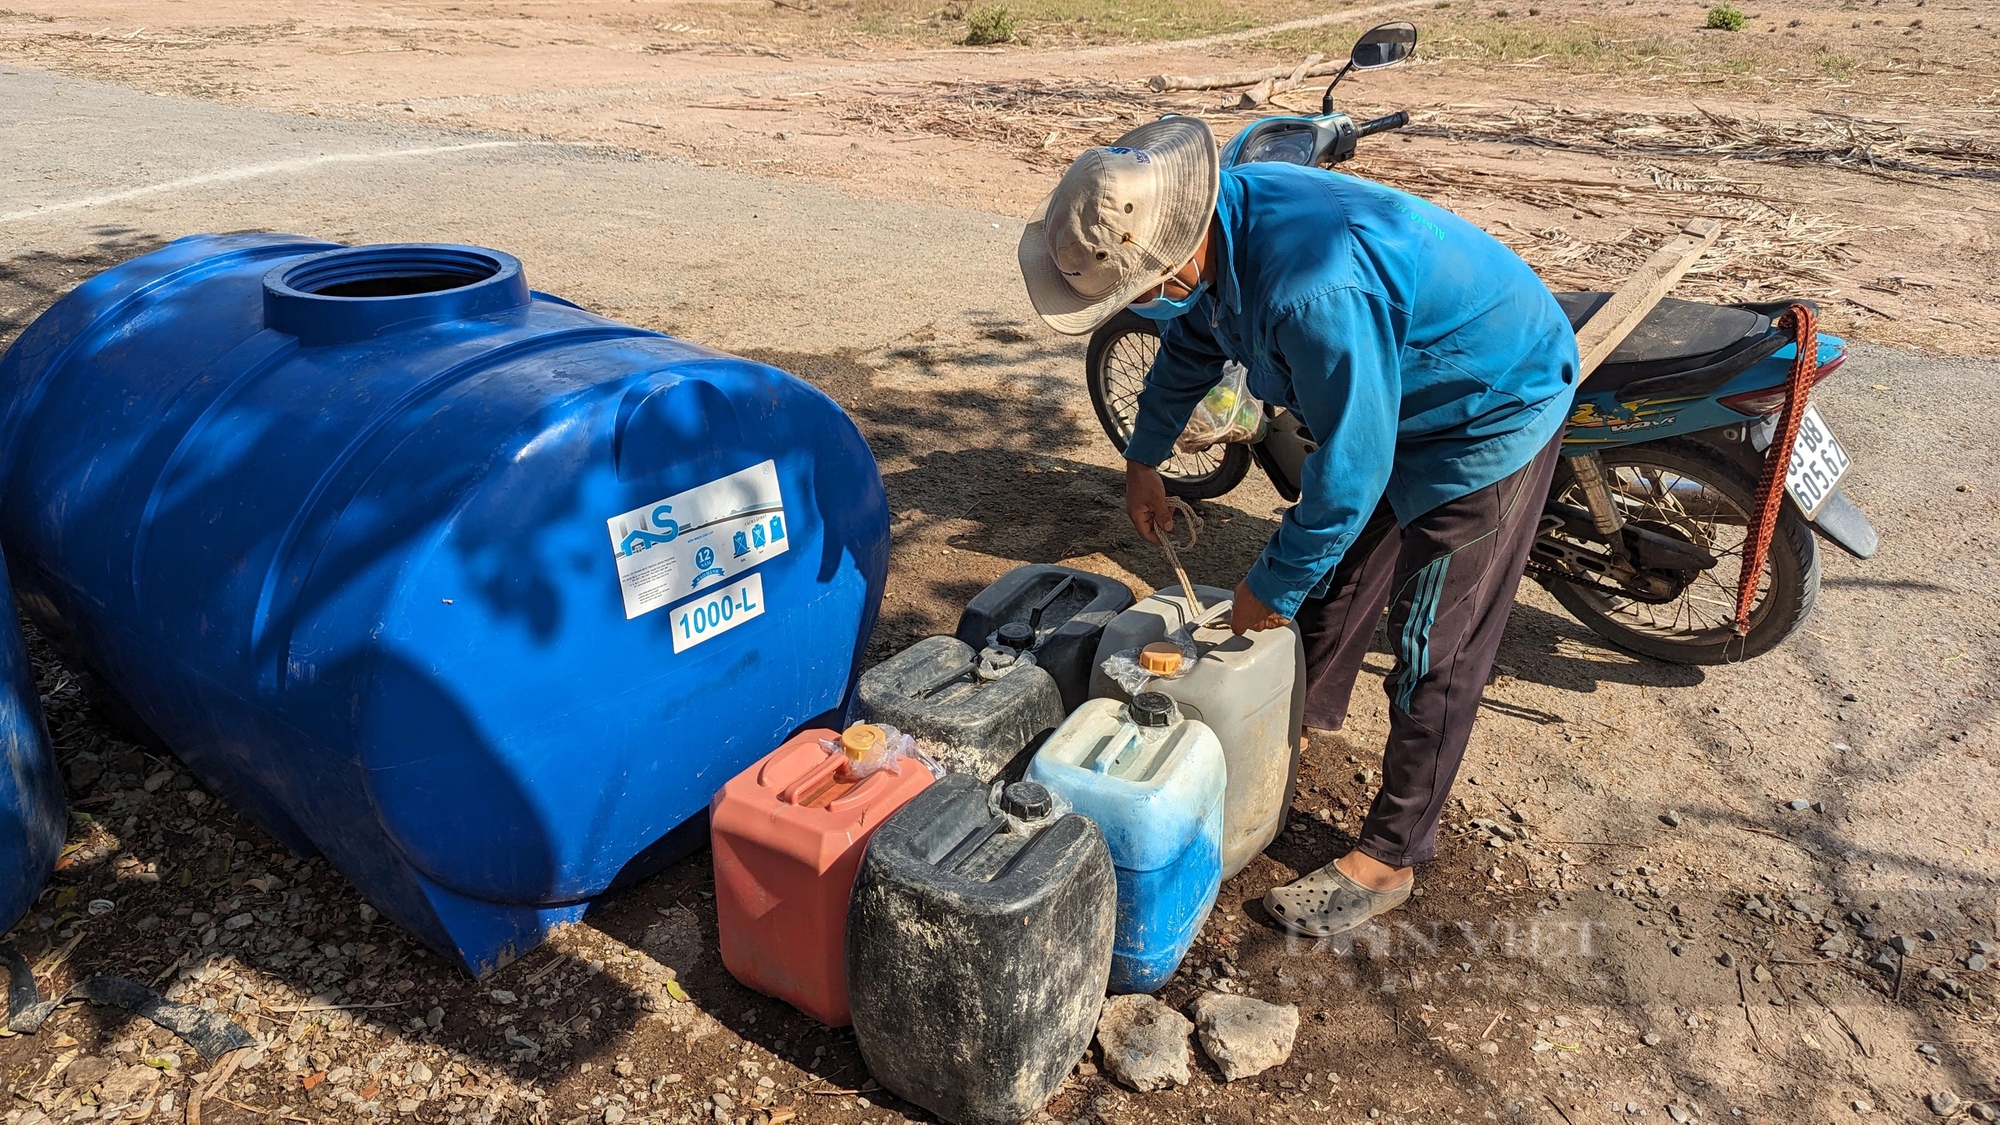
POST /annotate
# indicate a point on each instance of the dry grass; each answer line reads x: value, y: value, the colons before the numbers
x: 1818, y: 137
x: 1044, y: 123
x: 1770, y: 247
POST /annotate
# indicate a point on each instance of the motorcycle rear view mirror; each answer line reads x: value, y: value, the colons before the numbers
x: 1382, y: 45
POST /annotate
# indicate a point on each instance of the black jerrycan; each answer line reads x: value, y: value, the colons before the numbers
x: 1056, y: 613
x: 978, y: 949
x: 976, y: 710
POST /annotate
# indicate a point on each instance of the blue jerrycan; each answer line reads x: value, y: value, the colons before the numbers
x: 1154, y: 783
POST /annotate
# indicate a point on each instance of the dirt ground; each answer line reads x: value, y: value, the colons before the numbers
x: 1573, y: 958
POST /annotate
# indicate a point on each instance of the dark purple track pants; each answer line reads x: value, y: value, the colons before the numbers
x: 1448, y: 580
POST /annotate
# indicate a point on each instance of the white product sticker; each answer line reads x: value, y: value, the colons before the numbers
x: 698, y: 619
x: 698, y: 539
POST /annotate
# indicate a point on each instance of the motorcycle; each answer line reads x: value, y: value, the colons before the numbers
x: 1644, y: 527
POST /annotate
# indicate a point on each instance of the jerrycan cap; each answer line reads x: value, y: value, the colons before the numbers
x: 1152, y: 709
x: 1016, y: 635
x: 1161, y: 658
x: 861, y: 740
x: 1026, y: 800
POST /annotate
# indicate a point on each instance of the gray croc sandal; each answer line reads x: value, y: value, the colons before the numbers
x: 1327, y: 902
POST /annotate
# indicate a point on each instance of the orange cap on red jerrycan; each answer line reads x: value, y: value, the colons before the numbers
x: 788, y: 834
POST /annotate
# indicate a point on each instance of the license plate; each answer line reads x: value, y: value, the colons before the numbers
x: 1817, y: 465
x: 717, y: 613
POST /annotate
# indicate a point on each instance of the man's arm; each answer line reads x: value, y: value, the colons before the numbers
x: 1344, y: 360
x: 1189, y: 364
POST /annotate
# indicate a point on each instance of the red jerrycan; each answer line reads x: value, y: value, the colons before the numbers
x: 788, y: 834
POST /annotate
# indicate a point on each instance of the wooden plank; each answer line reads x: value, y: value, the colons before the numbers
x: 1602, y: 333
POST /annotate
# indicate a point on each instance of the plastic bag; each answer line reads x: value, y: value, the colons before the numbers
x: 1228, y: 412
x: 871, y: 748
x: 1124, y: 669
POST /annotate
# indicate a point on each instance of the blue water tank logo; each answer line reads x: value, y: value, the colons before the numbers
x: 757, y: 535
x: 742, y: 544
x: 777, y: 528
x: 642, y: 538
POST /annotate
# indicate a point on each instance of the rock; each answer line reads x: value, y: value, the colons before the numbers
x: 1144, y: 1043
x: 1902, y: 945
x: 1835, y: 944
x: 87, y: 1072
x: 434, y: 1018
x: 1928, y: 935
x: 1944, y: 1103
x: 1760, y: 974
x: 1726, y: 959
x: 1863, y: 1105
x: 1984, y: 1111
x: 368, y: 913
x: 623, y: 1068
x: 1652, y: 1039
x: 1488, y: 1047
x: 1244, y: 1036
x: 613, y: 1115
x: 127, y: 1085
x: 1976, y: 962
x: 1884, y: 960
x: 1680, y: 1116
x: 1928, y: 1051
x: 502, y: 996
x: 1983, y: 948
x: 1798, y: 804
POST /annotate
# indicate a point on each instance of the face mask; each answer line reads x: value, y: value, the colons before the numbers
x: 1164, y: 307
x: 1167, y: 308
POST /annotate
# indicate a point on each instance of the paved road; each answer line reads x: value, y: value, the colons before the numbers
x: 733, y: 260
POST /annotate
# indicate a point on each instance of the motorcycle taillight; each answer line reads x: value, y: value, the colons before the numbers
x: 1770, y: 400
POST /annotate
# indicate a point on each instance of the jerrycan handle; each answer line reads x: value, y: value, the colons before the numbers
x: 1058, y: 590
x: 937, y: 682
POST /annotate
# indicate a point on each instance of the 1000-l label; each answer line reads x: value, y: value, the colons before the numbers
x: 717, y: 612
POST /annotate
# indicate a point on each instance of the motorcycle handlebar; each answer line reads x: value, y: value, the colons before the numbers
x: 1395, y: 120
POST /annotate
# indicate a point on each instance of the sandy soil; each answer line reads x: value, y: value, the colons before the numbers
x: 1601, y: 964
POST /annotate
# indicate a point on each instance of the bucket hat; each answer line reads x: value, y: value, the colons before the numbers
x: 1123, y: 219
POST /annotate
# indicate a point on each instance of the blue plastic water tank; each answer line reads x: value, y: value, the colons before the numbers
x: 477, y: 593
x: 32, y: 811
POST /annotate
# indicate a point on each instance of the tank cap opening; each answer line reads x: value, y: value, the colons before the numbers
x: 1016, y: 635
x: 1152, y: 709
x: 359, y: 292
x: 1026, y: 800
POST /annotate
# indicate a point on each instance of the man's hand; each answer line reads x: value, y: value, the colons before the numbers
x: 1248, y: 615
x: 1146, y: 501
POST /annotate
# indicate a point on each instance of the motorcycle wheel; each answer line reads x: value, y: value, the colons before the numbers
x: 1121, y: 352
x: 1707, y: 498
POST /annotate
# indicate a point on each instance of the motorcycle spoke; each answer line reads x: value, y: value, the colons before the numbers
x: 1706, y: 608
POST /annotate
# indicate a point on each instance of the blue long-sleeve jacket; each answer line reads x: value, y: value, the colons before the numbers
x: 1426, y: 358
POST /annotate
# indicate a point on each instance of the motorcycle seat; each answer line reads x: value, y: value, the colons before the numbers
x: 1676, y: 337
